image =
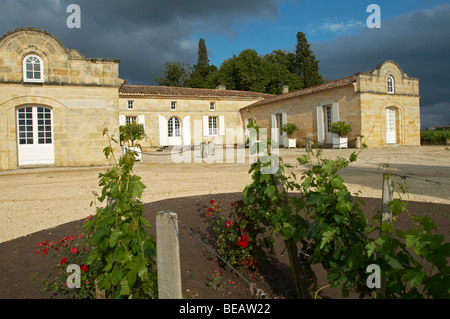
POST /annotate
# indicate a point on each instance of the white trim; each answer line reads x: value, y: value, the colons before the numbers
x: 187, y: 130
x: 320, y: 130
x: 122, y: 120
x: 35, y: 153
x: 390, y: 77
x: 205, y: 125
x: 24, y: 67
x: 163, y: 136
x: 141, y: 120
x: 334, y: 112
x: 284, y: 134
x: 221, y: 125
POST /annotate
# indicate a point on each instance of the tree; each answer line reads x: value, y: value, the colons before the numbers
x: 281, y: 73
x: 176, y: 74
x: 304, y: 63
x: 246, y: 72
x: 202, y: 69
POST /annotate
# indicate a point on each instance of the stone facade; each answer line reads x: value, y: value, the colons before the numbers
x: 158, y: 108
x: 81, y: 94
x: 55, y: 104
x: 362, y: 100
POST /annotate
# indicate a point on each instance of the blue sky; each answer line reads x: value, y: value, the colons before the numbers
x: 320, y: 20
x: 144, y: 34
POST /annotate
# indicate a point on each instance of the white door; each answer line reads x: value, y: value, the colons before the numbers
x: 35, y: 135
x: 278, y: 120
x: 328, y: 120
x: 174, y: 131
x: 391, y: 130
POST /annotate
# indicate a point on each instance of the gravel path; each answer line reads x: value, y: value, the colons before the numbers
x: 35, y: 199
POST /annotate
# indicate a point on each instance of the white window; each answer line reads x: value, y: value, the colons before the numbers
x: 173, y: 105
x: 131, y: 119
x: 212, y: 106
x: 33, y: 69
x: 390, y: 85
x: 328, y: 119
x: 131, y: 105
x: 174, y: 127
x: 212, y: 125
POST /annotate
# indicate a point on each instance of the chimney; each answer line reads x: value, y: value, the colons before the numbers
x: 221, y: 87
x: 284, y: 89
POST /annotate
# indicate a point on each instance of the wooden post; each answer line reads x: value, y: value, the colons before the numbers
x: 168, y: 256
x: 388, y: 194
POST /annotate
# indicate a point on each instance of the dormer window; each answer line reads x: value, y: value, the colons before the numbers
x: 390, y: 85
x: 33, y: 69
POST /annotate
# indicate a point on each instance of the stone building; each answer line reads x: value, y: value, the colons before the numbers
x: 184, y: 116
x: 383, y: 105
x: 55, y: 104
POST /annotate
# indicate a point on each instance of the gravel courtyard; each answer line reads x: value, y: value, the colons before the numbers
x: 40, y: 198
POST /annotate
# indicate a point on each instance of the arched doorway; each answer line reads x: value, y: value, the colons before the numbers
x: 35, y: 143
x: 391, y: 125
x: 174, y: 131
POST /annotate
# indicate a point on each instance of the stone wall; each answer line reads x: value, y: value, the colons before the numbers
x: 151, y: 108
x: 82, y: 94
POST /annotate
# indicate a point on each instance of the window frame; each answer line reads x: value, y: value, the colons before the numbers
x: 131, y: 103
x: 212, y: 106
x: 131, y: 119
x: 390, y: 88
x: 213, y: 128
x: 174, y: 127
x: 173, y: 105
x: 26, y: 79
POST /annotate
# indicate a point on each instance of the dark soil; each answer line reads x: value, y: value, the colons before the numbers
x: 19, y: 261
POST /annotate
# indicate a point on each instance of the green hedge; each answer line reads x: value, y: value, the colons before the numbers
x: 434, y: 137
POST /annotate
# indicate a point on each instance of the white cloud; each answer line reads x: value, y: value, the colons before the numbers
x: 338, y: 26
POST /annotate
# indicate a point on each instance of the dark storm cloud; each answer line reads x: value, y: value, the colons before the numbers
x: 418, y: 41
x: 143, y: 34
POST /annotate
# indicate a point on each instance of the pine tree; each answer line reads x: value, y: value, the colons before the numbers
x: 202, y: 68
x: 304, y: 63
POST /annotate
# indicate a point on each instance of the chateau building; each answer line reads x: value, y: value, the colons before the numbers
x: 55, y: 104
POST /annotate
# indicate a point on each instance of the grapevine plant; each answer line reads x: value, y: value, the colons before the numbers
x: 122, y: 254
x: 323, y: 223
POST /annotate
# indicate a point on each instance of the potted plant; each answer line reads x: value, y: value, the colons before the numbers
x: 130, y: 134
x: 290, y: 128
x: 341, y: 129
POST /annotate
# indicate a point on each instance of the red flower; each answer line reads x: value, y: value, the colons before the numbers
x: 63, y: 261
x: 44, y: 251
x: 228, y: 224
x: 243, y: 243
x: 84, y: 268
x: 74, y: 250
x: 211, y: 209
x: 211, y: 201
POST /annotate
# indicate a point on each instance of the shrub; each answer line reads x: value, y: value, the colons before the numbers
x: 340, y: 128
x: 289, y: 128
x: 434, y: 137
x: 130, y: 133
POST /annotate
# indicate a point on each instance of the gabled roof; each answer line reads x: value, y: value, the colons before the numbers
x: 178, y: 92
x: 314, y: 89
